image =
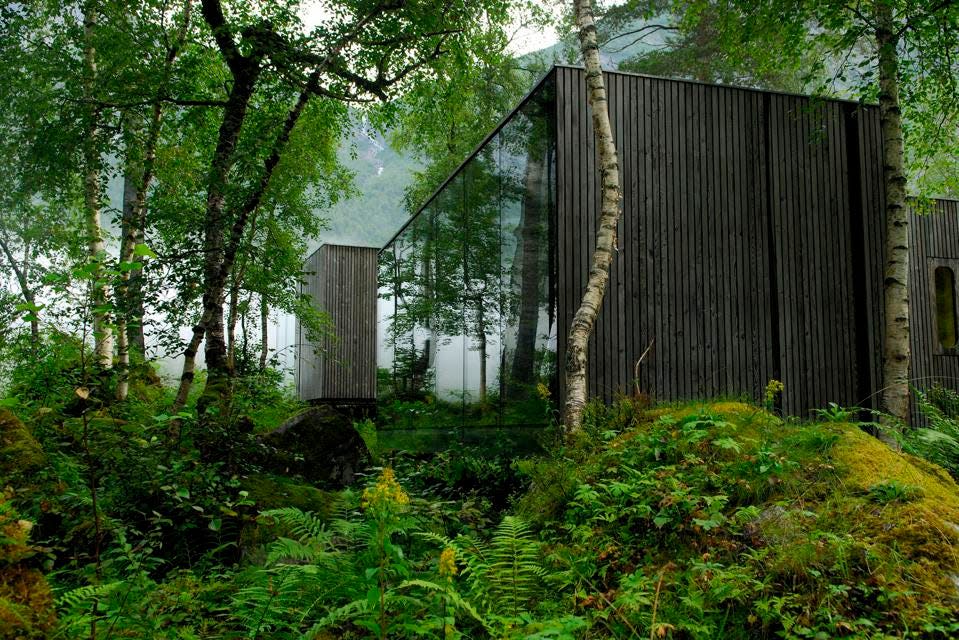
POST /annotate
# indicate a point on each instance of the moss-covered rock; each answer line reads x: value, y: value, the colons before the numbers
x: 319, y: 444
x: 271, y: 492
x: 274, y: 492
x: 20, y: 453
x: 26, y: 602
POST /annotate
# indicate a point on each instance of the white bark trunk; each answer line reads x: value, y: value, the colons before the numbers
x: 96, y: 249
x: 585, y: 318
x: 895, y: 395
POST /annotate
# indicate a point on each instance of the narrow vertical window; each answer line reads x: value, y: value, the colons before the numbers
x: 945, y: 281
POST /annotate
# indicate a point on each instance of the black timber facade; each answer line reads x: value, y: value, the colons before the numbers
x: 750, y: 249
x: 748, y: 246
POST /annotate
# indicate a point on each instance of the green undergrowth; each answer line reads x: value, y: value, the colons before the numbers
x: 724, y: 521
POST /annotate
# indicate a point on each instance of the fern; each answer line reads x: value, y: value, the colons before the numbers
x: 301, y: 573
x: 85, y: 595
x: 504, y: 574
x: 940, y: 442
x: 303, y: 524
x: 455, y: 598
x: 514, y: 573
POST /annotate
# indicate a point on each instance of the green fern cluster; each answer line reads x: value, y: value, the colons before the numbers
x: 504, y: 575
x: 360, y: 573
x: 939, y: 442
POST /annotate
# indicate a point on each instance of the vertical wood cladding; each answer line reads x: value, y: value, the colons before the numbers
x: 746, y: 250
x: 341, y: 280
x: 934, y: 242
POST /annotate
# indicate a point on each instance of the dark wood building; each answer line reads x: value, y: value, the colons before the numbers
x: 934, y: 253
x: 750, y: 249
x: 340, y: 366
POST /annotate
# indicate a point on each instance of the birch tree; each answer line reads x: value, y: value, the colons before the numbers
x: 610, y: 211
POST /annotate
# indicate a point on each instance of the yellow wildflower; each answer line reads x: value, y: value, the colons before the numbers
x: 773, y: 389
x: 386, y: 492
x: 448, y: 563
x: 543, y: 391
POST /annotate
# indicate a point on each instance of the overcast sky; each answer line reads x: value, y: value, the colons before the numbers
x: 526, y: 39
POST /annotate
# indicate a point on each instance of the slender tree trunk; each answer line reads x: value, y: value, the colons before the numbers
x: 481, y: 334
x: 23, y: 279
x: 189, y: 366
x: 585, y: 317
x: 245, y: 352
x: 134, y: 231
x: 96, y: 249
x: 896, y: 282
x: 232, y: 314
x: 128, y: 231
x: 264, y: 331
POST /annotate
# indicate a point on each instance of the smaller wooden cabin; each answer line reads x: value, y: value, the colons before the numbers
x: 340, y: 367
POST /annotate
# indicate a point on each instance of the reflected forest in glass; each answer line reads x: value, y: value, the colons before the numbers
x: 467, y: 288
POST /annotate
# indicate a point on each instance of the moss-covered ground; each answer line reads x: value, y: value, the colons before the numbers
x: 721, y: 520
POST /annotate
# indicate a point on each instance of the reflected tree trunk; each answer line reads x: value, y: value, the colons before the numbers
x: 264, y: 331
x: 529, y: 249
x: 585, y: 317
x: 481, y: 335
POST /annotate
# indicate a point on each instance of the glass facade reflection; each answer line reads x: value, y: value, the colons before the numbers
x: 467, y: 289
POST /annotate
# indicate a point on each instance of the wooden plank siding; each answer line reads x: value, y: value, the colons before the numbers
x: 746, y: 252
x: 341, y: 280
x: 751, y: 248
x: 934, y: 241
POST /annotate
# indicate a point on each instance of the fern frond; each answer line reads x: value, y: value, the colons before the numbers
x: 85, y: 594
x: 339, y: 614
x: 302, y: 524
x: 289, y: 551
x: 455, y: 598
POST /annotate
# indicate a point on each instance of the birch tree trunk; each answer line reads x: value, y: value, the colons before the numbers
x: 585, y: 317
x: 128, y: 230
x: 895, y: 372
x: 130, y: 296
x: 96, y: 249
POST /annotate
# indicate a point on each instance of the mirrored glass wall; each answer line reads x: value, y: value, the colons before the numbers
x: 467, y: 290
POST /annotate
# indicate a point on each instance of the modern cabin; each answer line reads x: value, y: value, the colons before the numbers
x: 750, y: 249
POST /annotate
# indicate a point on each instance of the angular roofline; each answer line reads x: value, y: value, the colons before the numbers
x: 499, y: 127
x: 536, y: 88
x: 774, y: 92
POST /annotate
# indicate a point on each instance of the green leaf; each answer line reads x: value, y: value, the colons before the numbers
x: 143, y: 251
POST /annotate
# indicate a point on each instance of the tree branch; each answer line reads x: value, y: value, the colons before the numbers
x: 213, y: 16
